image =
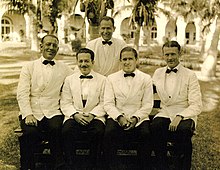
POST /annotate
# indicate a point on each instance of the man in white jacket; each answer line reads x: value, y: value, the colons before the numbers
x: 106, y: 48
x: 179, y: 92
x: 82, y: 104
x: 128, y: 101
x: 38, y: 96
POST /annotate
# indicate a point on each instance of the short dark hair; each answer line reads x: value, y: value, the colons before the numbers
x: 129, y: 49
x: 172, y: 44
x: 86, y: 50
x: 49, y: 35
x: 107, y: 18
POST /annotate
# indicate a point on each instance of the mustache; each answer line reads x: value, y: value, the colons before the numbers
x: 83, y: 66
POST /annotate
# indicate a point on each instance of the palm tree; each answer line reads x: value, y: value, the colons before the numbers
x: 209, y: 65
x: 94, y: 11
x: 142, y: 15
x: 207, y: 11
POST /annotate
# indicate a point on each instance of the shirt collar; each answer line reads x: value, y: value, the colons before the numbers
x: 42, y: 59
x: 108, y: 40
x: 177, y: 67
x: 90, y: 74
x: 135, y: 72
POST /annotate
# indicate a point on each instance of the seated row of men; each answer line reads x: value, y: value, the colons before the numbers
x: 114, y: 110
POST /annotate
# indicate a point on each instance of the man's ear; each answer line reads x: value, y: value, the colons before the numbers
x: 41, y: 46
x: 114, y: 29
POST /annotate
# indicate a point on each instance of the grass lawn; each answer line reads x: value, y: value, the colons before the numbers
x: 206, y: 142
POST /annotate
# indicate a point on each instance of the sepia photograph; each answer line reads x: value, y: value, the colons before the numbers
x: 110, y: 85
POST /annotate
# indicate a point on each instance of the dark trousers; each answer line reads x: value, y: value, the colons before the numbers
x: 49, y: 129
x: 92, y: 133
x: 181, y: 137
x: 115, y: 137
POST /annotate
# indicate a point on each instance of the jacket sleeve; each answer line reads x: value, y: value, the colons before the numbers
x: 66, y: 102
x: 194, y: 98
x: 24, y: 91
x: 147, y: 101
x: 98, y: 110
x: 109, y: 101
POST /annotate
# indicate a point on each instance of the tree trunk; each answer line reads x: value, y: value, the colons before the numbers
x: 33, y: 33
x: 93, y: 32
x: 137, y: 37
x: 209, y: 65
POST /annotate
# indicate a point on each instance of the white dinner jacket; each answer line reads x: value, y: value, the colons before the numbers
x: 106, y: 62
x: 34, y: 97
x: 71, y: 99
x: 138, y: 101
x: 186, y: 99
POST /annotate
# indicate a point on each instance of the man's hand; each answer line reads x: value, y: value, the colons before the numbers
x: 133, y: 122
x: 123, y: 122
x: 175, y: 122
x: 83, y: 119
x: 88, y: 117
x: 31, y: 120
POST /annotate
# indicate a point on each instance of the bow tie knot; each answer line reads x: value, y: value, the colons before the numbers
x: 86, y: 77
x: 107, y: 42
x: 173, y: 70
x: 45, y: 62
x: 129, y: 74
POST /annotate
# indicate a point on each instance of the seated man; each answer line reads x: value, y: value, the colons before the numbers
x: 128, y: 101
x: 82, y: 105
x: 38, y: 96
x: 179, y: 92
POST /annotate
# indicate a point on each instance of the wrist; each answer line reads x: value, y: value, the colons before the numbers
x: 72, y: 116
x: 180, y: 116
x: 118, y: 118
x: 134, y: 118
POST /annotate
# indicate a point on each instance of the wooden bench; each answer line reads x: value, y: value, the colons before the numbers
x: 42, y: 157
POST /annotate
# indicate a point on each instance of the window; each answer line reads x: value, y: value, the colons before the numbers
x: 153, y: 32
x: 6, y: 28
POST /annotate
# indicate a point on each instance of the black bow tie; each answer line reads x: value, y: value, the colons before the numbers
x: 86, y: 77
x: 107, y: 42
x: 129, y: 74
x: 169, y: 70
x: 45, y: 62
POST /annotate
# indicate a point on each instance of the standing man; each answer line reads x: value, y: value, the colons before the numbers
x: 179, y: 92
x: 82, y: 104
x: 38, y: 96
x: 106, y: 48
x: 128, y: 101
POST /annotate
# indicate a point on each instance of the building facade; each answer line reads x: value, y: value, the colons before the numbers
x: 15, y: 27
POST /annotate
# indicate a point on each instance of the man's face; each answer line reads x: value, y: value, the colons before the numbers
x: 106, y: 29
x: 128, y: 61
x: 49, y: 47
x: 171, y: 56
x: 85, y: 63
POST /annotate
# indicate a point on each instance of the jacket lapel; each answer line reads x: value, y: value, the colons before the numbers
x: 92, y: 90
x: 161, y: 86
x: 76, y: 81
x: 177, y: 86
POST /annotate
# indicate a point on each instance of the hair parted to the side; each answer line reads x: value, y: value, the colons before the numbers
x: 107, y: 18
x: 49, y: 35
x: 129, y: 49
x: 172, y: 44
x: 86, y: 50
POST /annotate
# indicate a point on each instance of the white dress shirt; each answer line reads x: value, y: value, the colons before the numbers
x: 170, y: 82
x: 106, y: 56
x: 47, y: 72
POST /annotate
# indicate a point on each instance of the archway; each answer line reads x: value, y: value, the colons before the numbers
x: 127, y: 31
x: 190, y: 33
x: 171, y: 30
